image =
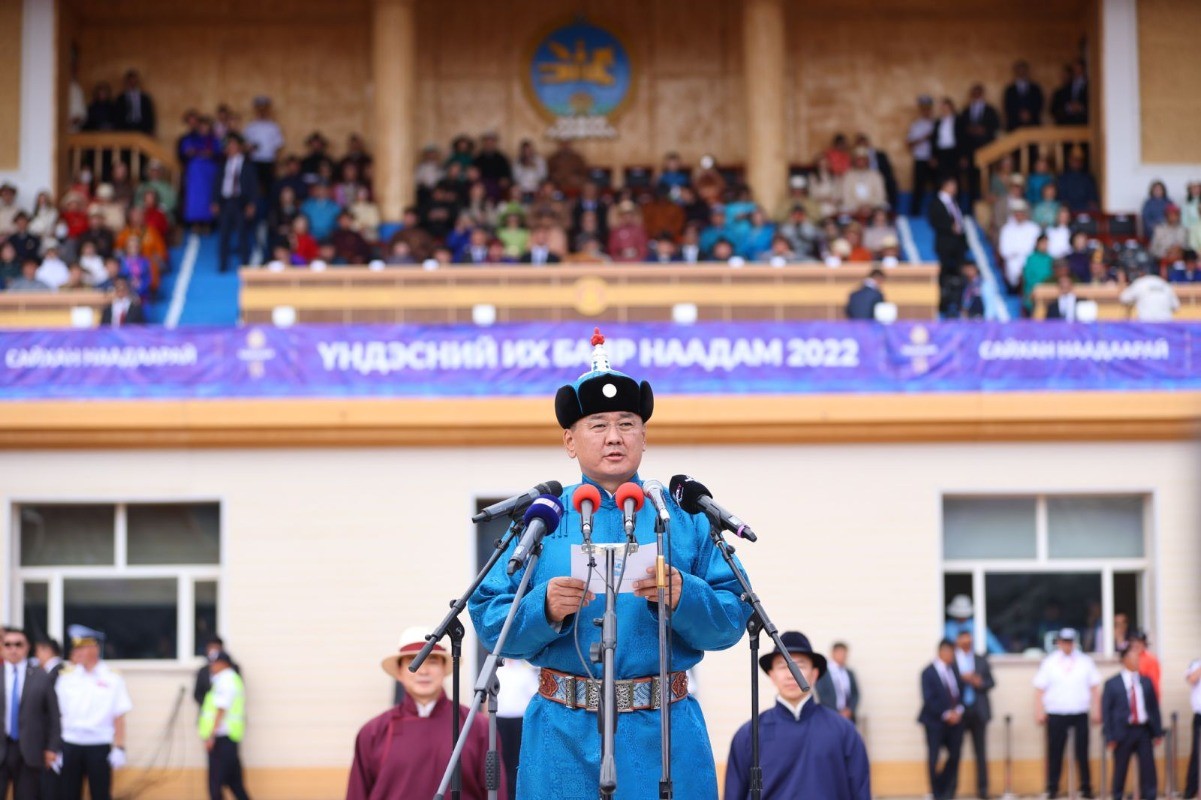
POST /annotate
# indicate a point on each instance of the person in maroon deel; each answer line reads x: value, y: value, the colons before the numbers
x: 402, y: 754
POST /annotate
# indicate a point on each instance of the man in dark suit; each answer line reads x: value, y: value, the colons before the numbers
x: 49, y: 654
x: 135, y: 109
x: 838, y: 688
x: 863, y: 301
x: 979, y: 122
x: 950, y: 241
x: 942, y: 716
x: 235, y: 199
x: 1023, y: 100
x: 1131, y: 724
x: 32, y: 732
x: 125, y: 309
x: 976, y: 674
x: 539, y: 250
x: 1069, y: 103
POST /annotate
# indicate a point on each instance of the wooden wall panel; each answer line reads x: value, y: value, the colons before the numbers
x: 1169, y: 63
x: 10, y: 87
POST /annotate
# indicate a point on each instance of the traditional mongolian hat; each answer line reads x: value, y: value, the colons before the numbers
x: 602, y: 389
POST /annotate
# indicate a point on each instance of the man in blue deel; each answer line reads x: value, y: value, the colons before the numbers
x: 806, y: 750
x: 603, y: 416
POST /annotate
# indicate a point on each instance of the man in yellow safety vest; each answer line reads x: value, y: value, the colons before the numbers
x: 222, y: 725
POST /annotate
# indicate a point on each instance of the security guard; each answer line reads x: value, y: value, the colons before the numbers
x: 222, y: 725
x: 93, y: 701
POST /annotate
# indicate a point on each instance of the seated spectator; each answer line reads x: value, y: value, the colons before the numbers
x: 971, y: 304
x: 291, y: 178
x: 1002, y: 177
x: 1187, y: 271
x: 1155, y: 207
x: 1152, y: 298
x: 420, y: 243
x: 156, y: 181
x: 722, y: 252
x: 400, y: 254
x: 479, y: 206
x: 112, y: 270
x: 779, y: 254
x: 589, y: 251
x: 588, y: 226
x: 826, y: 189
x: 301, y: 242
x: 663, y: 250
x: 661, y: 214
x: 53, y: 270
x: 326, y: 255
x: 1038, y: 269
x: 28, y: 281
x: 8, y: 209
x: 1172, y: 261
x: 1079, y: 258
x: 1046, y: 210
x: 1063, y: 307
x: 804, y: 239
x: 496, y: 252
x: 494, y: 166
x: 316, y: 161
x: 26, y: 244
x: 550, y: 207
x: 75, y: 280
x: 625, y: 195
x: 695, y: 209
x: 690, y: 245
x: 44, y: 221
x: 123, y: 189
x: 1017, y: 241
x: 515, y: 235
x: 1059, y: 232
x: 758, y: 236
x: 1168, y: 234
x: 429, y: 171
x: 74, y: 214
x: 1194, y: 234
x: 476, y: 251
x: 890, y: 252
x: 861, y: 305
x: 287, y: 210
x: 1100, y: 273
x: 567, y: 169
x: 862, y: 187
x: 715, y: 230
x: 462, y: 151
x: 349, y: 245
x: 1002, y: 207
x: 513, y: 204
x: 538, y: 252
x: 10, y: 264
x: 155, y: 216
x: 321, y: 210
x: 153, y: 248
x: 1077, y: 187
x: 138, y: 268
x: 112, y: 211
x: 839, y: 252
x: 878, y: 231
x: 1040, y: 176
x: 529, y: 169
x: 441, y: 256
x: 878, y: 160
x: 125, y: 308
x: 838, y: 155
x: 356, y: 153
x: 349, y: 183
x: 707, y: 180
x: 366, y: 215
x: 628, y: 241
x: 92, y: 263
x: 672, y: 176
x: 853, y: 235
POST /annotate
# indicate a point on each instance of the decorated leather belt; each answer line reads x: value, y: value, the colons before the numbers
x: 634, y: 694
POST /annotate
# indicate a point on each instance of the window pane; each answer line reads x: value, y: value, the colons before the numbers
x: 137, y: 615
x: 989, y: 527
x: 174, y: 533
x: 1127, y: 610
x: 68, y: 535
x: 206, y: 613
x: 1095, y: 527
x: 36, y: 611
x: 1025, y: 609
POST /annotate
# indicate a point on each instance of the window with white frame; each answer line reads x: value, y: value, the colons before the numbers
x: 144, y: 573
x: 1032, y: 565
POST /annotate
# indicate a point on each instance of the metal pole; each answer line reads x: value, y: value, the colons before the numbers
x: 1008, y: 757
x: 1171, y: 748
x: 1104, y: 767
x: 753, y: 627
x: 608, y: 644
x: 662, y: 576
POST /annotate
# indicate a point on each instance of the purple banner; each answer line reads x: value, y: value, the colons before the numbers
x: 536, y: 358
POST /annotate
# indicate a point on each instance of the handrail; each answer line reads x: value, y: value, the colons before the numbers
x: 95, y: 143
x: 1022, y: 138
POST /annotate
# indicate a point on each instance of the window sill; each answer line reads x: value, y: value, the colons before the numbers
x: 162, y: 666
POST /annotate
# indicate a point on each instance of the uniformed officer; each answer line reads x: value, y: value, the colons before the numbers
x: 222, y: 725
x: 93, y: 701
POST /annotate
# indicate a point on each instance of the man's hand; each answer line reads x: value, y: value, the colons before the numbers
x: 648, y: 588
x: 208, y: 744
x: 563, y: 598
x: 1040, y: 717
x: 215, y: 208
x: 846, y: 712
x: 250, y: 210
x: 1096, y: 717
x: 1111, y: 745
x: 49, y: 756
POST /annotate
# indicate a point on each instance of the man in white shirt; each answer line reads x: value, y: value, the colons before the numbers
x: 1153, y: 298
x: 1067, y: 689
x: 921, y: 147
x: 1016, y: 242
x: 264, y: 140
x: 1132, y: 725
x: 1193, y: 677
x: 53, y: 271
x: 93, y: 701
x: 862, y: 186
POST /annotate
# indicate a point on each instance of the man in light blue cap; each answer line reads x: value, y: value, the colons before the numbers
x: 603, y: 415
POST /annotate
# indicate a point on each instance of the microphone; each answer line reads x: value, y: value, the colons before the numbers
x: 541, y: 518
x: 694, y: 498
x: 655, y: 492
x: 629, y: 499
x: 586, y: 500
x: 516, y: 504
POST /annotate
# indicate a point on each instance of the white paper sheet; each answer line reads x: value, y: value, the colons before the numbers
x: 636, y: 565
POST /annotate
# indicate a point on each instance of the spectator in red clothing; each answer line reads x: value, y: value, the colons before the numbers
x: 74, y: 214
x: 839, y: 154
x: 301, y: 242
x: 155, y: 218
x: 628, y: 241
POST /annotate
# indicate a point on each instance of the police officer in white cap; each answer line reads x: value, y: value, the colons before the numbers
x: 93, y: 701
x: 1068, y: 689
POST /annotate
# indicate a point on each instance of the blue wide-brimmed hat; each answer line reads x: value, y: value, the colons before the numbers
x: 602, y: 389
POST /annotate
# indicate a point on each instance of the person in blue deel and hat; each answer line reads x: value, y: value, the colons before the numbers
x: 603, y: 415
x: 806, y: 750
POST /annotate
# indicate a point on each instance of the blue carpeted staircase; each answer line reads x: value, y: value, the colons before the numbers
x: 211, y: 297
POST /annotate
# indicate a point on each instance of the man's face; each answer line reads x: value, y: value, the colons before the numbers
x: 609, y: 446
x: 16, y: 647
x: 87, y: 655
x: 43, y: 654
x: 425, y: 684
x: 946, y: 654
x: 1138, y: 646
x: 839, y: 655
x: 1066, y: 646
x: 781, y: 676
x: 964, y: 642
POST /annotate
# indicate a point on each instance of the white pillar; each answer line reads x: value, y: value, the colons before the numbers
x: 39, y: 95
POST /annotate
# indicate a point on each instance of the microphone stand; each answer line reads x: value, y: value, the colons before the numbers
x: 662, y: 571
x: 487, y: 685
x: 452, y: 626
x: 761, y: 620
x: 603, y: 652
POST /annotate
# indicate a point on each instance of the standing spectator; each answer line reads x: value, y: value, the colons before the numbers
x: 1069, y: 103
x: 135, y: 109
x: 950, y: 240
x: 212, y: 646
x: 462, y: 152
x: 428, y: 173
x: 1193, y: 678
x: 1155, y: 207
x: 838, y: 154
x: 8, y: 209
x: 518, y: 685
x: 1148, y: 664
x: 976, y: 674
x: 879, y: 161
x: 1152, y: 297
x: 235, y: 193
x: 264, y: 140
x: 93, y: 701
x: 979, y: 122
x: 494, y: 166
x: 567, y: 169
x: 102, y: 114
x: 202, y: 149
x: 403, y: 752
x: 1023, y: 100
x: 862, y: 303
x: 1039, y: 269
x: 124, y: 309
x: 838, y: 689
x: 628, y: 240
x: 222, y: 726
x: 808, y: 751
x: 942, y: 717
x: 961, y: 617
x: 50, y: 658
x: 154, y: 214
x: 1067, y: 689
x: 947, y: 140
x: 1018, y: 238
x: 1077, y: 187
x: 1131, y: 726
x: 529, y: 170
x: 921, y: 147
x: 32, y: 733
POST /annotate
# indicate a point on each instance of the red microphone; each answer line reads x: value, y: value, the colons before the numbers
x: 629, y: 497
x: 586, y: 500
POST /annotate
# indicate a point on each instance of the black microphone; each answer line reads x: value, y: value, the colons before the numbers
x: 658, y: 496
x: 694, y: 498
x: 541, y: 518
x: 516, y: 504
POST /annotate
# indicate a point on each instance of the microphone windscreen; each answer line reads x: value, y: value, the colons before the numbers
x: 629, y: 491
x: 550, y: 487
x: 546, y: 508
x: 586, y: 491
x: 688, y: 491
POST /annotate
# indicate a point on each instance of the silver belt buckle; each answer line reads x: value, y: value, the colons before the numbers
x: 592, y: 695
x: 569, y: 690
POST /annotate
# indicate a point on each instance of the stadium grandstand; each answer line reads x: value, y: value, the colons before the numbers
x: 287, y: 288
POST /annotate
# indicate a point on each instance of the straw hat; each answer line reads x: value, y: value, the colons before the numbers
x: 411, y: 642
